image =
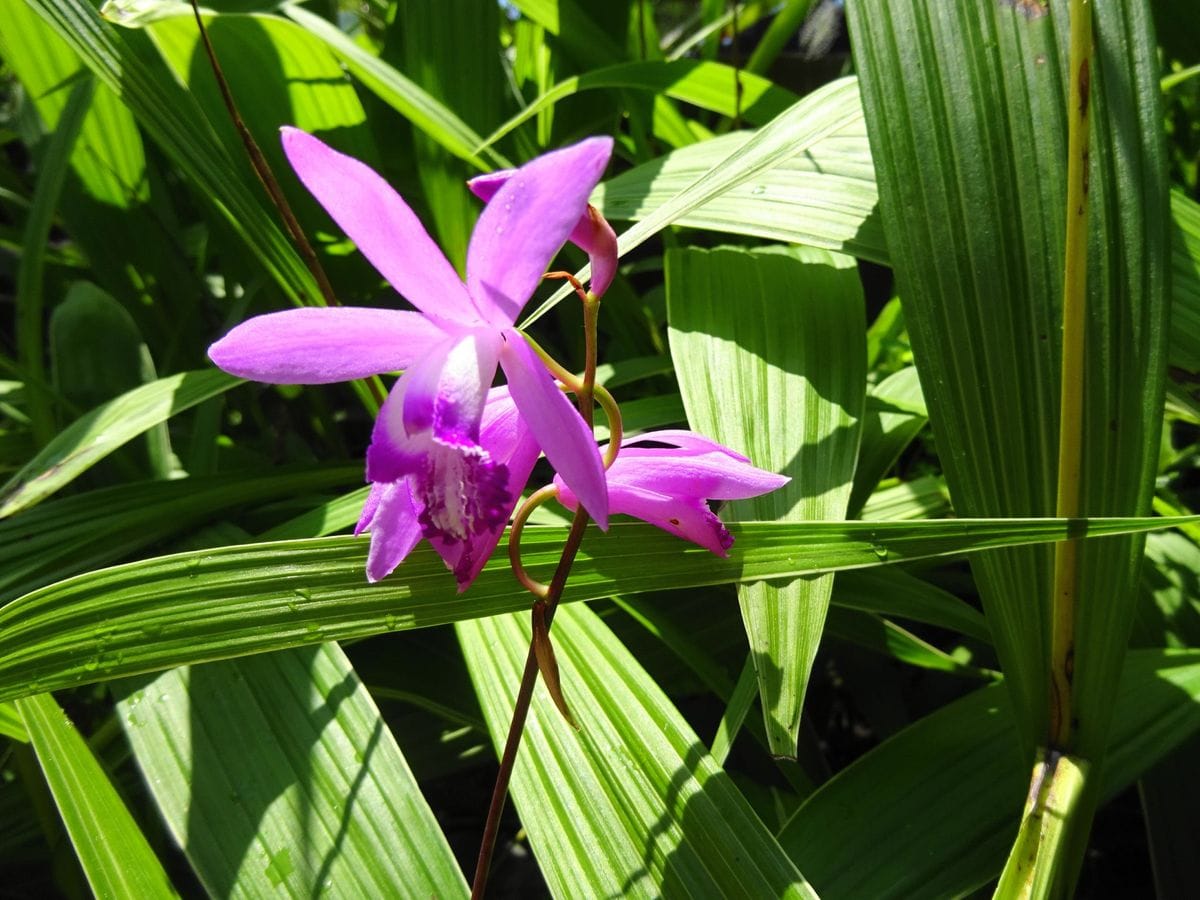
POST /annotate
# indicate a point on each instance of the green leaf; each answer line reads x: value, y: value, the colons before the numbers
x: 277, y: 776
x: 780, y: 375
x: 399, y: 92
x: 173, y: 119
x: 822, y: 195
x: 461, y: 68
x: 96, y: 354
x: 823, y: 113
x: 634, y: 780
x: 233, y: 601
x: 98, y: 433
x: 895, y: 593
x: 944, y: 796
x: 111, y: 848
x: 966, y: 116
x: 895, y: 414
x: 886, y: 638
x: 1170, y: 796
x: 567, y: 20
x: 12, y: 725
x: 708, y: 85
x: 60, y: 538
x: 1183, y: 383
x: 30, y: 293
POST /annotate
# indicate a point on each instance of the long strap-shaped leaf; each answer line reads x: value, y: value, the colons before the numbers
x: 965, y: 107
x: 770, y: 348
x: 175, y: 122
x: 217, y: 604
x: 944, y: 795
x: 278, y: 776
x: 634, y: 782
x: 824, y: 112
x: 112, y: 849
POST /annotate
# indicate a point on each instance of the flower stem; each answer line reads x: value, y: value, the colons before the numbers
x: 541, y: 654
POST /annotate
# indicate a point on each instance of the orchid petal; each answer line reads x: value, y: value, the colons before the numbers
x: 386, y: 230
x: 393, y: 453
x: 504, y: 434
x: 716, y: 476
x: 446, y: 390
x: 685, y: 440
x: 394, y: 530
x: 369, y: 507
x: 526, y: 223
x: 556, y: 424
x: 591, y: 233
x: 320, y: 346
x: 683, y: 516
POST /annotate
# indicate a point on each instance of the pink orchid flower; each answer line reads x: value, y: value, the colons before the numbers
x: 397, y: 515
x: 668, y: 485
x: 591, y: 233
x: 427, y: 438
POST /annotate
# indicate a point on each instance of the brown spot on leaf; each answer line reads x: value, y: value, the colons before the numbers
x: 1030, y: 9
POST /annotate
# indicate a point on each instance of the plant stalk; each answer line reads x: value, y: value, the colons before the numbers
x: 542, y: 616
x: 1070, y: 441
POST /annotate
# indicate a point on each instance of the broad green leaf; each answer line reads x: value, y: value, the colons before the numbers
x: 98, y: 433
x: 634, y: 780
x: 277, y: 777
x: 108, y: 156
x: 823, y: 194
x: 216, y: 604
x: 1170, y: 795
x: 886, y: 638
x: 60, y: 538
x: 104, y: 202
x: 172, y: 118
x: 966, y: 114
x: 823, y: 113
x: 278, y: 73
x: 399, y: 92
x: 708, y: 85
x: 12, y: 725
x: 944, y: 796
x: 922, y: 498
x: 778, y: 374
x: 111, y: 848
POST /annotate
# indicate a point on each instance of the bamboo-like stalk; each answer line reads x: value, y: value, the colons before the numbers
x: 1070, y: 431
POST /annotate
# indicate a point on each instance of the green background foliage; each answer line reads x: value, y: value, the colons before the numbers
x: 841, y: 235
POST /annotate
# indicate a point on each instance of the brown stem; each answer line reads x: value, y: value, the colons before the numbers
x: 263, y: 170
x: 543, y: 615
x: 521, y: 708
x: 267, y: 178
